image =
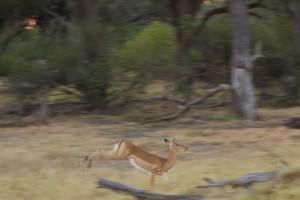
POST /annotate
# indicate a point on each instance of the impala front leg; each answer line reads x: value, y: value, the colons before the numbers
x: 152, y: 177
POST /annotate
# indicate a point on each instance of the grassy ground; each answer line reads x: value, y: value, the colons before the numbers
x: 40, y: 162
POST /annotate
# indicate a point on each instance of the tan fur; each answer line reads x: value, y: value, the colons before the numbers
x: 150, y: 163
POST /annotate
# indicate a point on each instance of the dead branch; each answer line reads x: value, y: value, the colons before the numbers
x: 245, y: 181
x: 185, y: 107
x: 209, y: 93
x: 282, y: 175
x: 182, y: 109
x: 143, y: 194
x: 211, y: 104
x: 160, y: 98
x: 148, y: 195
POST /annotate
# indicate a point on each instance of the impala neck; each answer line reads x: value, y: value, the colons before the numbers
x: 171, y: 159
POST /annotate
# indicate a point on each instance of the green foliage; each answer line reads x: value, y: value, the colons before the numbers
x: 150, y: 54
x: 277, y: 41
x: 24, y: 60
x: 30, y: 65
x: 187, y: 24
x: 196, y: 56
x: 147, y: 56
x: 215, y: 49
x: 276, y: 72
x: 94, y: 82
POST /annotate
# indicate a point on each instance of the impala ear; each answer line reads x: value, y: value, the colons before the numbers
x: 174, y: 140
x: 167, y: 141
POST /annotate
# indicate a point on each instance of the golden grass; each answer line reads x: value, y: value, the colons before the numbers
x: 40, y: 162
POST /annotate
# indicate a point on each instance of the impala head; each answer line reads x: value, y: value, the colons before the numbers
x: 175, y: 146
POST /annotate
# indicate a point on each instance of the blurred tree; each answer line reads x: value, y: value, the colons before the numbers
x: 294, y: 11
x: 241, y: 62
x: 184, y: 20
x: 93, y: 76
x: 293, y: 8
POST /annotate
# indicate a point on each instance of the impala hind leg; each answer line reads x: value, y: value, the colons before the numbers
x: 119, y: 152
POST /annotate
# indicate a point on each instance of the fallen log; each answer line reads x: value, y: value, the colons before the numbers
x: 245, y: 181
x: 143, y: 194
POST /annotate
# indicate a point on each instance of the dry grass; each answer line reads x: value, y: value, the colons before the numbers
x: 40, y: 162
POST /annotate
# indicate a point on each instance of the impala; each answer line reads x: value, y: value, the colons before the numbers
x: 146, y: 162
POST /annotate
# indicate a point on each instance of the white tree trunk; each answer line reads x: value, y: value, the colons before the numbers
x: 244, y: 95
x: 241, y: 62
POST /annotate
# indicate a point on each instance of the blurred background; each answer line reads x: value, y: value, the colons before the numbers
x: 105, y: 53
x: 214, y: 69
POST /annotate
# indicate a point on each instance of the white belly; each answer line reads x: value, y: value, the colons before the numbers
x: 133, y: 163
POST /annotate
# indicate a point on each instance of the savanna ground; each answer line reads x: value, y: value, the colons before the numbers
x: 40, y: 162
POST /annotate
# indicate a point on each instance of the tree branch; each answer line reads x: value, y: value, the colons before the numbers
x: 185, y: 107
x: 160, y: 98
x: 209, y: 93
x: 218, y: 11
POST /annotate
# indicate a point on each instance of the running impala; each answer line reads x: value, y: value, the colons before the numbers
x: 146, y: 162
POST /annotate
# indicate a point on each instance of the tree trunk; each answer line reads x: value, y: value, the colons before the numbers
x: 241, y: 62
x: 293, y: 7
x: 178, y: 10
x: 44, y: 109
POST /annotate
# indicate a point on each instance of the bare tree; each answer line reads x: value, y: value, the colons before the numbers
x: 241, y: 62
